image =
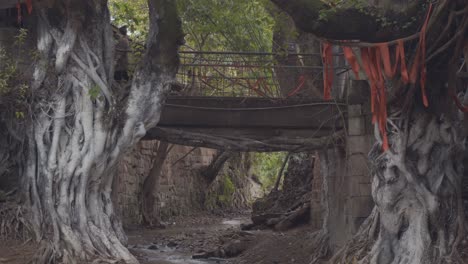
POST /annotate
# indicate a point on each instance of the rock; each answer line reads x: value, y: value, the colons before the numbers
x: 235, y: 248
x: 263, y: 218
x: 248, y: 226
x: 153, y: 247
x: 273, y: 221
x: 246, y: 233
x: 200, y: 232
x: 203, y: 255
x: 172, y: 244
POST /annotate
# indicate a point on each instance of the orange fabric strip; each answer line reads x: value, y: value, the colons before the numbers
x: 423, y: 57
x: 377, y: 57
x: 29, y: 6
x: 328, y: 72
x: 400, y: 58
x: 351, y: 58
x: 459, y: 104
x: 302, y: 80
x: 266, y: 87
x: 255, y: 87
x: 419, y: 63
x: 367, y: 69
x: 413, y: 75
x: 371, y: 60
x: 384, y: 51
x: 18, y: 9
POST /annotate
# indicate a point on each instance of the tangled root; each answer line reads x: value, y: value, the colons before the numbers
x: 13, y: 223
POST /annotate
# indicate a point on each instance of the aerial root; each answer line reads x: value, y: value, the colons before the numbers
x: 358, y: 248
x: 13, y: 224
x: 321, y: 247
x: 45, y: 255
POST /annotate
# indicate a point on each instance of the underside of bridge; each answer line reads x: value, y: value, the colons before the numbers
x: 251, y: 124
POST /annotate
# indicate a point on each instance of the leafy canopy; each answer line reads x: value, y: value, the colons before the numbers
x: 219, y: 25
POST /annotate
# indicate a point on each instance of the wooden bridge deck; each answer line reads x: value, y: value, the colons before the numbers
x: 250, y: 124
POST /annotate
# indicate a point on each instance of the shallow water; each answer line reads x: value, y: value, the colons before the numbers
x: 166, y: 255
x: 175, y: 255
x: 232, y: 222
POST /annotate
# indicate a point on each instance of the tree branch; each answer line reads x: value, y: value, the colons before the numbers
x: 368, y: 23
x: 242, y: 144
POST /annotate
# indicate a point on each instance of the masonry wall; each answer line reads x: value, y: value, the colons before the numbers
x: 179, y: 184
x: 317, y: 209
x: 181, y: 190
x: 341, y: 189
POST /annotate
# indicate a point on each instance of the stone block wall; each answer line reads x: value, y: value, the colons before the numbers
x: 180, y: 191
x: 341, y: 193
x: 316, y: 208
x: 359, y: 202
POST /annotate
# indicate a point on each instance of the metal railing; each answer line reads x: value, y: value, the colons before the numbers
x: 248, y: 74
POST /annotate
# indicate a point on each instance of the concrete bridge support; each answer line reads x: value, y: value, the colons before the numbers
x: 342, y: 189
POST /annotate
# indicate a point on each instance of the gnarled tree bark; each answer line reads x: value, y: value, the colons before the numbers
x: 416, y: 185
x: 211, y: 171
x: 148, y: 198
x: 81, y: 125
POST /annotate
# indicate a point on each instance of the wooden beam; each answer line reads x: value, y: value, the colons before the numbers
x: 238, y: 144
x: 251, y: 113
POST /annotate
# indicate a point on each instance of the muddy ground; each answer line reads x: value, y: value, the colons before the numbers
x: 181, y: 240
x: 217, y: 238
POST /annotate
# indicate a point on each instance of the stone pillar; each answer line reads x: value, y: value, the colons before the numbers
x: 359, y: 202
x: 341, y: 189
x: 316, y: 208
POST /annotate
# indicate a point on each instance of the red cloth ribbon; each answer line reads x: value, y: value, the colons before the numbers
x: 419, y: 64
x: 371, y: 60
x: 351, y: 58
x: 328, y: 71
x: 385, y: 52
x: 29, y: 6
x: 400, y: 58
x: 255, y: 87
x: 302, y: 80
x: 459, y: 104
x: 18, y: 9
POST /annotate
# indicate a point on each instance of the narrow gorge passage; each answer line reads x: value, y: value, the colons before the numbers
x: 221, y: 219
x: 233, y: 131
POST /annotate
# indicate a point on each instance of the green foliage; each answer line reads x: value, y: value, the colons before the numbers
x: 361, y: 6
x: 19, y: 115
x: 228, y: 190
x: 234, y: 25
x: 94, y: 92
x: 266, y: 167
x: 221, y: 196
x: 7, y: 73
x: 133, y: 14
x: 220, y: 25
x: 20, y: 39
x: 9, y: 64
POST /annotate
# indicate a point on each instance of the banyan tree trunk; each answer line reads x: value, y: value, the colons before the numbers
x: 148, y: 197
x: 81, y: 125
x: 416, y: 186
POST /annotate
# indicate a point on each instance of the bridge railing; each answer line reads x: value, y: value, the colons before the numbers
x: 248, y: 74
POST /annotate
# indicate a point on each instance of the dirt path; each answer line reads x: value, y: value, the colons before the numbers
x: 191, y: 236
x: 181, y: 239
x: 218, y: 239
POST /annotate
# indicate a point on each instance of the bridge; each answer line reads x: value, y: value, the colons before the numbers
x: 245, y: 102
